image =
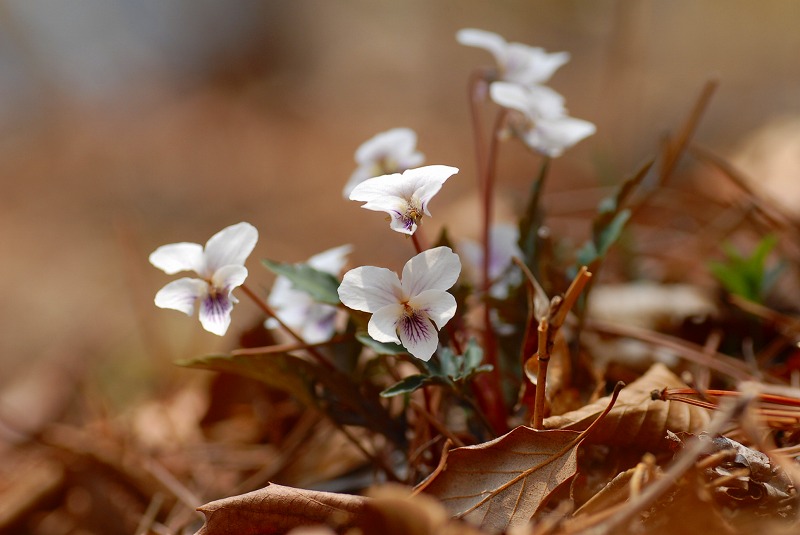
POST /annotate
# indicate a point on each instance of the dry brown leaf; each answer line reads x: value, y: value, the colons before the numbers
x: 636, y: 418
x: 277, y: 509
x: 502, y: 483
x: 394, y: 511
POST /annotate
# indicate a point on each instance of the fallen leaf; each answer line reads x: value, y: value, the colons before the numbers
x: 277, y: 509
x: 503, y: 482
x: 636, y: 418
x: 392, y: 510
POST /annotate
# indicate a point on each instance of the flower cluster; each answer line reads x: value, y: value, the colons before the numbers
x: 407, y: 310
x: 541, y: 120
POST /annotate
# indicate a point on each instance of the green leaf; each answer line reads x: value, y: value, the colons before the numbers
x: 473, y: 356
x: 322, y: 287
x: 381, y: 348
x: 611, y: 232
x: 747, y: 276
x: 533, y: 216
x: 406, y: 385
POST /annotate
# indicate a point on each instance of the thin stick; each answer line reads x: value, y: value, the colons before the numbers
x: 548, y: 326
x: 541, y: 376
x: 271, y: 313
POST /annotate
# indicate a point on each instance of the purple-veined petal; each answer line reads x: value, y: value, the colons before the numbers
x: 370, y: 288
x: 230, y: 246
x: 434, y: 269
x: 383, y: 324
x: 490, y: 41
x: 229, y: 277
x: 402, y: 223
x: 215, y: 312
x: 438, y: 305
x: 418, y: 335
x: 177, y: 257
x: 181, y: 294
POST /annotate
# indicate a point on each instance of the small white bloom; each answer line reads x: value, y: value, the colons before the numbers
x: 392, y: 151
x: 503, y: 248
x: 312, y: 320
x: 543, y: 122
x: 517, y: 62
x: 220, y: 267
x: 404, y: 197
x: 406, y: 312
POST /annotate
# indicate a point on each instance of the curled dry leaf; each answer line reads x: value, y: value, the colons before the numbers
x: 277, y: 509
x: 636, y: 418
x: 502, y: 483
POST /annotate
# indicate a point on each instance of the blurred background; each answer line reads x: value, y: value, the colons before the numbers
x: 128, y: 124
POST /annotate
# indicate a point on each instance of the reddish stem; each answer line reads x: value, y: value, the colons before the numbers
x: 494, y: 404
x: 271, y: 313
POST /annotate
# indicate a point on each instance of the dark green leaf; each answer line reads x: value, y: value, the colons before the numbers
x: 322, y: 287
x: 407, y: 385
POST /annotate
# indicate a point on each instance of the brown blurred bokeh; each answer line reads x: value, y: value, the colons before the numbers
x: 127, y: 125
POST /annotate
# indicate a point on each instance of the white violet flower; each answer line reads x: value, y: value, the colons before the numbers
x: 392, y: 151
x: 517, y: 62
x: 405, y: 196
x: 406, y: 312
x: 543, y: 122
x: 315, y: 322
x: 220, y: 266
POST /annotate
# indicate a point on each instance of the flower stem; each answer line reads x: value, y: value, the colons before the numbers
x: 312, y: 350
x: 493, y: 402
x: 417, y: 242
x: 476, y: 91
